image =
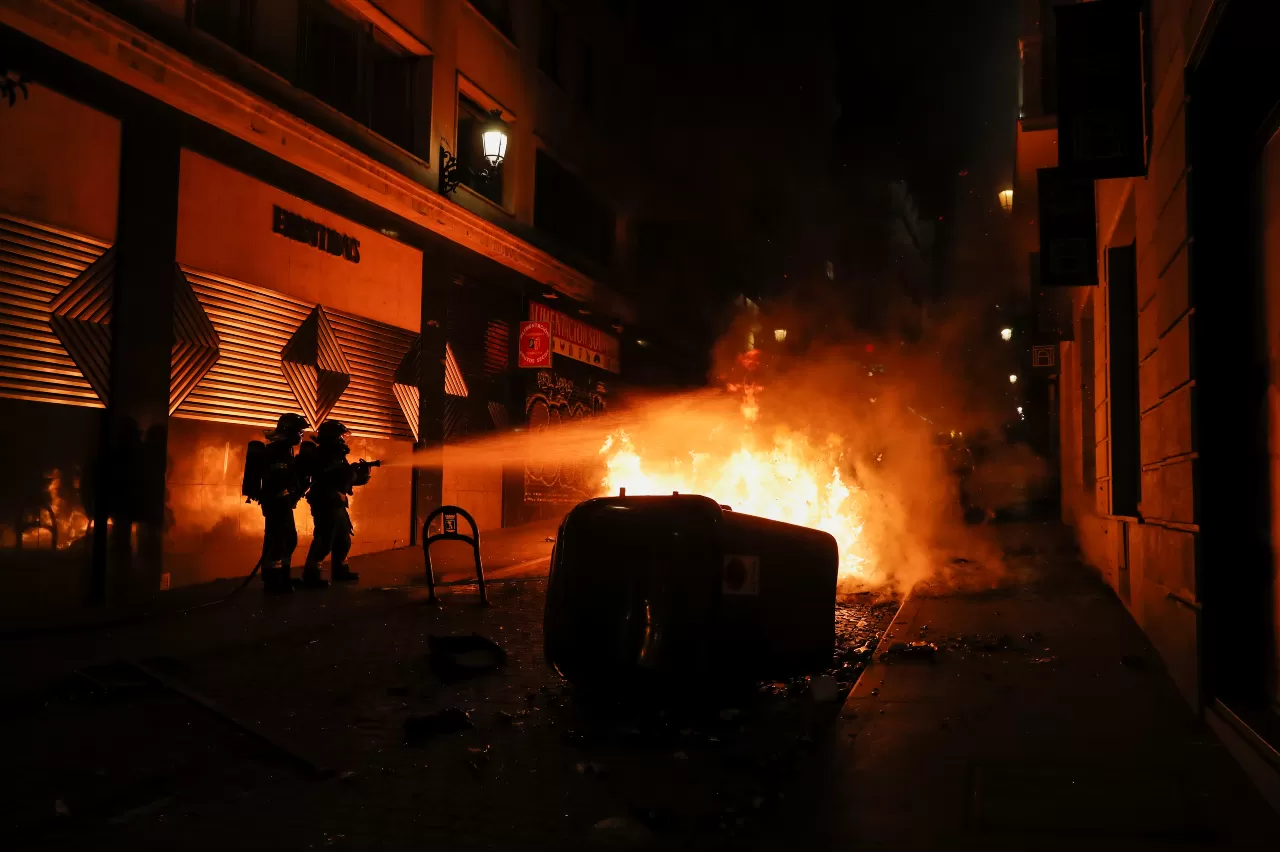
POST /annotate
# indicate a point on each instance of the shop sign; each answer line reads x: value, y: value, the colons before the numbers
x: 576, y: 340
x: 535, y: 344
x: 297, y: 227
x: 1044, y: 356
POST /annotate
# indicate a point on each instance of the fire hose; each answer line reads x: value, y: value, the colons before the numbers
x: 248, y: 578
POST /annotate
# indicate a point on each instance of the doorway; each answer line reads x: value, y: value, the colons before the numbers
x: 1234, y: 193
x: 1268, y: 231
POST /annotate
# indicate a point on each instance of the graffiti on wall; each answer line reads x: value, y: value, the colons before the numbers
x: 553, y: 400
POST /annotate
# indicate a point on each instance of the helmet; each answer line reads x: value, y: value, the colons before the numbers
x: 289, y: 425
x: 331, y: 431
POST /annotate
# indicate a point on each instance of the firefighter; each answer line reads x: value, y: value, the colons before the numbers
x: 332, y: 480
x: 274, y: 469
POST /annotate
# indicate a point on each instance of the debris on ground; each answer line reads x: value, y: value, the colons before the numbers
x: 141, y: 811
x: 615, y: 832
x: 823, y: 688
x: 421, y: 726
x: 461, y: 656
x: 915, y: 650
x: 998, y: 644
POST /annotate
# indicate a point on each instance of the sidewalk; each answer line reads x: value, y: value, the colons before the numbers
x: 193, y: 621
x: 1046, y: 720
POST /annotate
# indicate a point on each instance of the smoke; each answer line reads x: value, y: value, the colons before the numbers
x: 826, y: 395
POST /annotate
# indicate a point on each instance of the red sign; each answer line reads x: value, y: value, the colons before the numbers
x: 535, y: 344
x: 574, y: 339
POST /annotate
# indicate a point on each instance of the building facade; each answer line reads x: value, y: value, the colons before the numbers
x: 1166, y: 367
x: 215, y: 211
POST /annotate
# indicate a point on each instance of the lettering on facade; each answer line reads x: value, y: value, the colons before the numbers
x: 296, y: 227
x: 576, y: 340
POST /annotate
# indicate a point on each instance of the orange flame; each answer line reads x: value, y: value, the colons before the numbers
x: 59, y: 524
x: 785, y: 477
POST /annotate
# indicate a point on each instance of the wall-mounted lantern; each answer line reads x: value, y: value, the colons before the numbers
x: 493, y: 145
x: 1006, y: 200
x: 493, y: 140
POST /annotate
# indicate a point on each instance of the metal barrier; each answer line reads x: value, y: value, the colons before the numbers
x: 450, y: 532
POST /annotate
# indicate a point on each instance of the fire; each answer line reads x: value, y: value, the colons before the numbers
x: 58, y: 522
x: 785, y: 477
x: 71, y: 520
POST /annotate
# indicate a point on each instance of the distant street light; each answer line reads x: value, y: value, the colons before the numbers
x: 1006, y: 200
x: 1013, y: 377
x: 779, y: 335
x: 1006, y: 334
x: 1019, y: 410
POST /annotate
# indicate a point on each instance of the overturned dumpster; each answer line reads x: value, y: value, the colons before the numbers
x: 677, y: 588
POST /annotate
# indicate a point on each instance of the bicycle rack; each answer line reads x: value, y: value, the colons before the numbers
x: 450, y: 532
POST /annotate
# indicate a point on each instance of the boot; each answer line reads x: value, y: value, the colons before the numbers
x: 276, y: 581
x: 311, y: 578
x: 343, y: 574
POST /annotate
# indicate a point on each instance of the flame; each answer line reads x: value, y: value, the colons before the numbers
x: 59, y: 523
x: 785, y: 477
x: 72, y: 522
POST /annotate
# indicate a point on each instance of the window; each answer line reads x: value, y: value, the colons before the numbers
x: 330, y: 67
x: 475, y: 171
x: 355, y: 70
x: 1122, y: 357
x: 1088, y: 413
x: 496, y: 12
x: 564, y: 209
x: 391, y: 95
x: 1048, y: 59
x: 497, y: 348
x: 549, y: 42
x: 229, y: 21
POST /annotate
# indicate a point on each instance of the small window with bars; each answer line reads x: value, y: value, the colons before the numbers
x: 497, y: 347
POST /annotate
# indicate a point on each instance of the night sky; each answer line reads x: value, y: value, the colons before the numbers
x: 785, y: 130
x: 929, y: 89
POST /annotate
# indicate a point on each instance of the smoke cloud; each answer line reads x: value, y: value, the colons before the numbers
x: 817, y: 397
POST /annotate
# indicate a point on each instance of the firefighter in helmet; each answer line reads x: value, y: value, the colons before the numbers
x: 332, y: 480
x: 282, y: 486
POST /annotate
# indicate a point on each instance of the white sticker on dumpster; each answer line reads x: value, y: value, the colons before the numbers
x: 741, y: 575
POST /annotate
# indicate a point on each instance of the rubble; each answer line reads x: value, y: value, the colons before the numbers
x: 462, y: 656
x: 421, y: 726
x: 621, y: 832
x: 915, y: 650
x: 823, y: 688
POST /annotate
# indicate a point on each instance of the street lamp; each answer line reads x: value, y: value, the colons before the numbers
x: 1006, y: 200
x: 493, y: 140
x: 1006, y: 334
x: 779, y: 335
x: 493, y: 146
x: 1013, y: 378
